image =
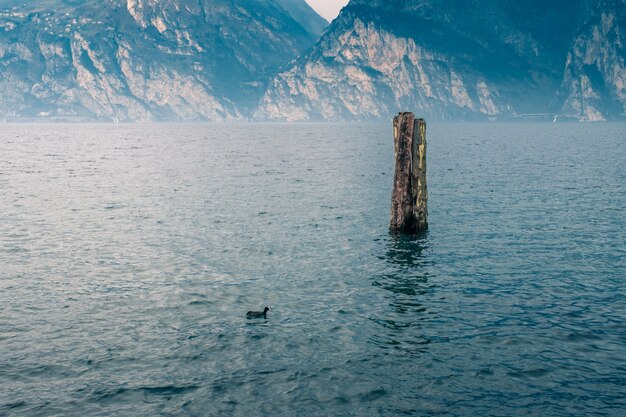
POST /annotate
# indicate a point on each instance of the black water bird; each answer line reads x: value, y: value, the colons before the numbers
x: 258, y: 314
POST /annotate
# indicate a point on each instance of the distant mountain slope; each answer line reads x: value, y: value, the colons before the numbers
x: 146, y: 59
x: 305, y: 15
x: 459, y: 59
x: 594, y: 86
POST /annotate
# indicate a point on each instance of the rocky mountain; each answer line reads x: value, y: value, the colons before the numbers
x: 594, y: 85
x: 462, y: 60
x: 145, y: 60
x: 186, y: 60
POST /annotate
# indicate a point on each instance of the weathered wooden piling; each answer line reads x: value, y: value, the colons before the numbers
x: 409, y: 202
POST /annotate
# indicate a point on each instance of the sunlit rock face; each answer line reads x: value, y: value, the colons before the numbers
x: 459, y: 60
x: 594, y: 85
x: 188, y: 60
x: 144, y: 60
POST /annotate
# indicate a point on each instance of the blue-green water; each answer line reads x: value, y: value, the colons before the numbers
x: 130, y: 254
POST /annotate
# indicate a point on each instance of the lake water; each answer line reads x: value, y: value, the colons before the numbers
x: 129, y: 255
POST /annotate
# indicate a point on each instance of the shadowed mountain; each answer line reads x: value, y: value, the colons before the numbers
x: 594, y: 86
x: 459, y: 59
x: 307, y: 17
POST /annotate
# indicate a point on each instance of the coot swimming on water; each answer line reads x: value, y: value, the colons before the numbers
x: 257, y: 314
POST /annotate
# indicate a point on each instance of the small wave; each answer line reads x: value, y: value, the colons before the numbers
x: 165, y: 390
x: 169, y: 389
x: 199, y: 302
x: 373, y: 395
x: 530, y: 373
x: 582, y: 337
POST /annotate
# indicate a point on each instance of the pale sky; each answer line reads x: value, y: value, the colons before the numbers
x: 327, y: 8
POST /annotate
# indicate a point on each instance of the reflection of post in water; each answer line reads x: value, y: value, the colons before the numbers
x: 407, y: 249
x: 407, y: 293
x: 406, y: 255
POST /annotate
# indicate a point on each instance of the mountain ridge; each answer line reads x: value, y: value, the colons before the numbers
x: 277, y: 60
x: 456, y: 60
x: 140, y: 60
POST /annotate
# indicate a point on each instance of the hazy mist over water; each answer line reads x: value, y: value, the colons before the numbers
x: 131, y: 253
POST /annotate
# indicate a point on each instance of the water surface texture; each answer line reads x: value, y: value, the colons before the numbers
x: 130, y: 254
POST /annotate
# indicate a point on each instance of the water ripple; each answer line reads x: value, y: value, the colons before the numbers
x: 130, y: 255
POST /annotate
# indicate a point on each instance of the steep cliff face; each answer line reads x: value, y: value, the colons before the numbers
x: 229, y: 59
x: 594, y: 85
x: 455, y: 59
x: 146, y: 59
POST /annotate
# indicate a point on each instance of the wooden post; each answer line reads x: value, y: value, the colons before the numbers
x: 409, y: 202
